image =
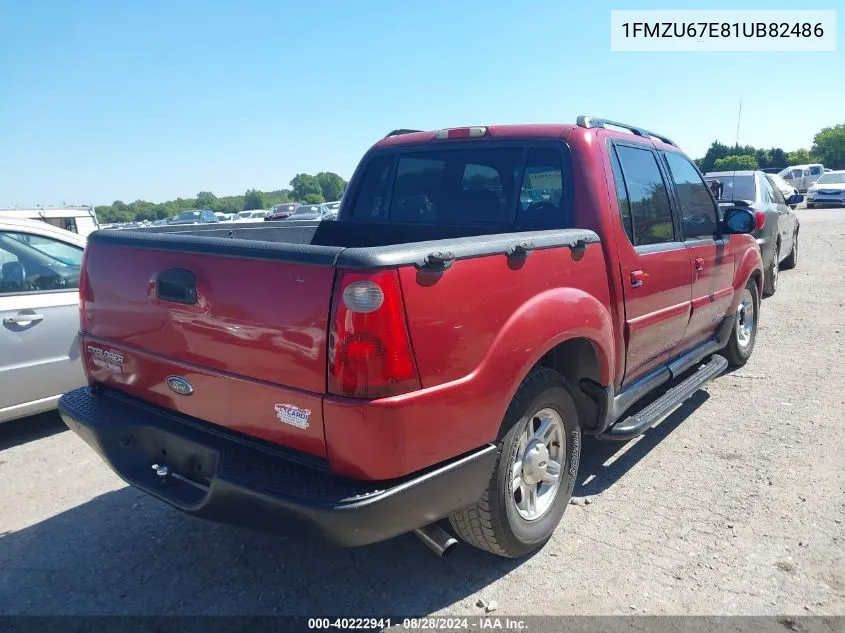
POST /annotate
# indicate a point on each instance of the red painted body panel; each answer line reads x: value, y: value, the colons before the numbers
x: 389, y: 437
x: 237, y: 403
x: 457, y: 316
x: 712, y: 289
x: 244, y: 323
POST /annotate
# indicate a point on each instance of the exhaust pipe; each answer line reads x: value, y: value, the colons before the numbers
x: 436, y: 539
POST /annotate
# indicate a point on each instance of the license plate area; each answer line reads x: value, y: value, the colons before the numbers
x: 167, y: 465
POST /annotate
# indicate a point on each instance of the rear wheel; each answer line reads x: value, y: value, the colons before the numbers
x: 539, y: 449
x: 770, y: 283
x: 792, y: 260
x: 744, y: 334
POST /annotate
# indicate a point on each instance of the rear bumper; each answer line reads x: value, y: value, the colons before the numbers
x: 224, y: 477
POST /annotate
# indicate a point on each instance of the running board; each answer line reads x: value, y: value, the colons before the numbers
x: 634, y: 425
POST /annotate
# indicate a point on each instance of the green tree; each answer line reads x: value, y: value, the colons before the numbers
x: 829, y: 147
x: 798, y: 157
x: 716, y: 151
x: 253, y: 199
x: 778, y: 158
x: 331, y: 185
x: 306, y: 185
x: 733, y: 161
x: 312, y: 198
x: 206, y: 200
x: 763, y: 158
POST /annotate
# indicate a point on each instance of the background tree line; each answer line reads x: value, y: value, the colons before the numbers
x: 307, y: 188
x: 828, y: 148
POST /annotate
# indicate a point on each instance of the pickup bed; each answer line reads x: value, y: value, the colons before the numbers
x: 486, y: 296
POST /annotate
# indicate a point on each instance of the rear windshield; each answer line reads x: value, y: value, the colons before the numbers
x: 307, y: 210
x: 731, y: 187
x: 478, y: 186
x: 188, y: 215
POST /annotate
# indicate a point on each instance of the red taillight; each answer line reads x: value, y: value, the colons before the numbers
x: 369, y: 347
x: 761, y: 220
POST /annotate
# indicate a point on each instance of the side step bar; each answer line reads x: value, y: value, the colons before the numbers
x: 634, y: 425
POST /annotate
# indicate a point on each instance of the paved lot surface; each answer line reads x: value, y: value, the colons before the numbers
x: 734, y: 505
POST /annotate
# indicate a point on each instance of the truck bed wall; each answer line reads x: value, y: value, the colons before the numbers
x: 355, y: 234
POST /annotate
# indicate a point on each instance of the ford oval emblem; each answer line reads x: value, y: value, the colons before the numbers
x: 180, y: 385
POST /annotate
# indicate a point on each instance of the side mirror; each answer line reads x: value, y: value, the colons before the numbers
x: 738, y: 220
x: 795, y: 198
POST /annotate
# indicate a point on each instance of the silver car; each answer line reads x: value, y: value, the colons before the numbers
x: 39, y: 309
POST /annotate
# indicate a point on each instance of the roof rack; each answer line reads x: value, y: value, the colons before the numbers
x: 400, y: 132
x: 590, y: 122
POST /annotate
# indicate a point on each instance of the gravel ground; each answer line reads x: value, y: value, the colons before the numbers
x: 733, y: 505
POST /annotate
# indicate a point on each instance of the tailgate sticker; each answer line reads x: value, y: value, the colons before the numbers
x: 292, y: 415
x: 106, y: 359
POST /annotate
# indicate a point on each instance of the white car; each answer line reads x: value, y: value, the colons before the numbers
x: 39, y: 316
x: 829, y: 189
x: 785, y: 188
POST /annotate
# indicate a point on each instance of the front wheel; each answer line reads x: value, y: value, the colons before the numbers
x: 770, y: 283
x: 539, y: 449
x: 744, y: 333
x: 792, y: 260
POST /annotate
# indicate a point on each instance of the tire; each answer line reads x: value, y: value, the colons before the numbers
x: 500, y: 521
x: 770, y: 278
x: 810, y: 205
x: 741, y: 343
x: 792, y: 259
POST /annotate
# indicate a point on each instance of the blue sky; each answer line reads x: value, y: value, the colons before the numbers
x: 105, y: 100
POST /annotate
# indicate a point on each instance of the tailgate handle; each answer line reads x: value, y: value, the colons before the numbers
x: 178, y: 285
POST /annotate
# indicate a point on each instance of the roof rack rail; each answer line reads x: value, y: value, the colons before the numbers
x: 590, y: 122
x: 400, y: 132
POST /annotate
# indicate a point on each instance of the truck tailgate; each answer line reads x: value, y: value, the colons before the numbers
x: 243, y: 326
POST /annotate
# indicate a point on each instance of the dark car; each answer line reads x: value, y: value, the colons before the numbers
x: 281, y: 211
x: 200, y: 216
x: 308, y: 212
x: 778, y: 238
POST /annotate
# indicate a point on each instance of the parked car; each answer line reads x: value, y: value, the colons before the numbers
x: 778, y: 233
x: 81, y: 220
x: 330, y: 210
x: 829, y: 189
x: 436, y: 352
x: 308, y: 212
x: 802, y: 176
x: 39, y: 307
x: 200, y: 216
x: 282, y: 211
x: 252, y: 216
x: 227, y: 217
x: 786, y: 190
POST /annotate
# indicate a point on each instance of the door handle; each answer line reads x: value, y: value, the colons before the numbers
x: 699, y: 264
x: 637, y: 278
x: 22, y: 318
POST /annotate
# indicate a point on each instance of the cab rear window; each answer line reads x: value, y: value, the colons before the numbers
x: 502, y: 186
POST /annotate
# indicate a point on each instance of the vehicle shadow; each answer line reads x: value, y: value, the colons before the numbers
x: 35, y: 427
x: 598, y: 470
x: 126, y: 553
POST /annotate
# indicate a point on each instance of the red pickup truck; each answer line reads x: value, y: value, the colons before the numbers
x: 486, y: 296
